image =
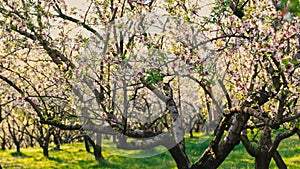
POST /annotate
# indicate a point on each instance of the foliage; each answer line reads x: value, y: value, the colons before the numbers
x: 292, y: 5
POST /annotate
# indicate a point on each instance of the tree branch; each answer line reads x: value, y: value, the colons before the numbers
x: 74, y: 20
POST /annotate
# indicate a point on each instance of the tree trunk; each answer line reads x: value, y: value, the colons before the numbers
x: 191, y: 133
x: 46, y: 142
x: 31, y: 141
x: 279, y: 161
x: 57, y: 141
x: 262, y: 160
x: 98, y: 153
x: 3, y: 146
x: 197, y: 128
x: 45, y: 151
x: 18, y: 146
x: 86, y: 144
x: 216, y: 153
x: 3, y: 143
x: 263, y: 157
x: 114, y: 139
x: 180, y: 157
x: 45, y: 147
x: 98, y: 150
x: 206, y: 128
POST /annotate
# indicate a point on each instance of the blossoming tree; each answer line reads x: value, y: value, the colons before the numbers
x: 141, y: 69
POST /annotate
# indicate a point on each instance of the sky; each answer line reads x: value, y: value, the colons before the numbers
x: 83, y: 4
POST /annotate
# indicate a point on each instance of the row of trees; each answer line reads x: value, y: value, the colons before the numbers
x: 146, y: 70
x: 22, y: 132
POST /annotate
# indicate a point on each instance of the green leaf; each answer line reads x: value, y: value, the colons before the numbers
x: 283, y: 4
x: 294, y: 6
x: 187, y: 19
x: 86, y: 40
x: 227, y: 2
x: 154, y: 76
x: 286, y: 61
x: 30, y: 26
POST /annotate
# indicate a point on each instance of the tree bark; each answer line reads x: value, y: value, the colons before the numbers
x: 18, y: 146
x: 191, y: 133
x: 262, y: 160
x: 3, y: 143
x: 86, y: 144
x: 98, y: 153
x: 180, y: 156
x: 264, y: 156
x: 3, y: 138
x: 46, y: 144
x: 216, y: 153
x: 279, y: 161
x: 97, y: 150
x: 57, y: 141
x: 45, y: 151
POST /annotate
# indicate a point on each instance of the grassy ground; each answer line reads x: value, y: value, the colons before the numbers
x: 73, y: 156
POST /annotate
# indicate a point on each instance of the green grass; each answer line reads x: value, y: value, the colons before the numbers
x: 73, y: 156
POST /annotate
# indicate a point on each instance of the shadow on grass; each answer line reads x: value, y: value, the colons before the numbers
x: 55, y: 159
x: 100, y: 164
x: 160, y: 161
x: 55, y: 149
x: 19, y: 154
x: 107, y: 163
x: 13, y: 166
